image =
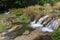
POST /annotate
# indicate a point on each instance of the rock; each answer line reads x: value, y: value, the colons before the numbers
x: 47, y: 20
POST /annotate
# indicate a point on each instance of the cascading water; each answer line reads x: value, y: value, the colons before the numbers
x: 48, y: 27
x: 38, y: 24
x: 53, y: 24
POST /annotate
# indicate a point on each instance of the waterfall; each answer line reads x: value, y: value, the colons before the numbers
x: 56, y: 24
x: 48, y: 27
x: 38, y: 24
x: 42, y: 19
x: 53, y: 24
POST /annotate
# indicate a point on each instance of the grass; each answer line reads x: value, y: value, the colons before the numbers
x: 2, y: 27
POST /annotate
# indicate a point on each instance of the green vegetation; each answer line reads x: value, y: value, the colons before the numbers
x: 17, y: 11
x: 56, y: 34
x: 1, y: 27
x: 23, y: 19
x: 24, y: 3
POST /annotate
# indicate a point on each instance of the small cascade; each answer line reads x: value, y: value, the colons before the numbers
x: 38, y: 24
x: 56, y: 24
x: 42, y: 19
x: 53, y: 24
x: 35, y: 25
x: 48, y: 27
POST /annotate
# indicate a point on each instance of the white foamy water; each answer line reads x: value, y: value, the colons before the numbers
x: 42, y: 19
x: 45, y: 29
x: 38, y: 24
x: 35, y: 25
x: 53, y: 24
